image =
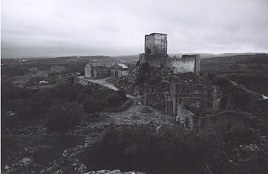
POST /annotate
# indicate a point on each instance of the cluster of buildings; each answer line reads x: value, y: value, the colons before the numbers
x: 106, y: 69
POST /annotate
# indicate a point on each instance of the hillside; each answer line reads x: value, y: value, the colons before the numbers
x: 242, y: 64
x: 248, y: 70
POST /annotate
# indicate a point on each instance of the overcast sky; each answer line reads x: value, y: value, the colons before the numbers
x: 117, y: 27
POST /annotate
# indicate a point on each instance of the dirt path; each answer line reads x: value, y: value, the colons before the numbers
x: 104, y: 83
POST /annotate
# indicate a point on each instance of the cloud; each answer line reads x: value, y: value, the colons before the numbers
x: 117, y: 27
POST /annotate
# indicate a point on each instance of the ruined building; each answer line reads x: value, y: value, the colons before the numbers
x: 155, y: 49
x: 179, y: 96
x: 174, y: 85
x: 187, y: 63
x: 180, y: 92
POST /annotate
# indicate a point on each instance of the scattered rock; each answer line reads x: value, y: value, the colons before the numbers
x: 146, y: 110
x: 26, y: 161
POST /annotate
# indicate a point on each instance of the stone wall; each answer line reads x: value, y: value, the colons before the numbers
x: 184, y: 66
x: 188, y: 63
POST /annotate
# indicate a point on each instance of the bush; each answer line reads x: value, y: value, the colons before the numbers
x: 142, y: 148
x: 122, y: 94
x: 28, y: 113
x: 93, y: 106
x: 241, y: 136
x: 45, y: 102
x: 8, y: 120
x: 221, y: 81
x: 211, y: 76
x: 63, y: 117
x: 242, y: 99
x: 114, y: 99
x: 60, y: 93
x: 10, y: 92
x: 141, y: 78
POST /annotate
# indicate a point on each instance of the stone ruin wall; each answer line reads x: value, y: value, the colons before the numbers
x: 188, y: 64
x: 183, y: 66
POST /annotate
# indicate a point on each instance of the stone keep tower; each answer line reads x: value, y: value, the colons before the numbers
x: 156, y: 43
x: 155, y: 49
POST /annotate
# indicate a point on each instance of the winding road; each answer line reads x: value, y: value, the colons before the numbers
x: 103, y: 82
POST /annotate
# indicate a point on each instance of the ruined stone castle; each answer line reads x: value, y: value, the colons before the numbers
x: 155, y: 53
x: 180, y: 90
x: 176, y: 87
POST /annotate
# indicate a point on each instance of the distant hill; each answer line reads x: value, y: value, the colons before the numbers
x: 210, y: 55
x: 179, y: 55
x: 127, y: 58
x: 250, y: 70
x: 241, y: 64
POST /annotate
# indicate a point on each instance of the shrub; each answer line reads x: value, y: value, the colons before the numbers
x: 122, y: 94
x: 63, y: 117
x: 142, y: 148
x: 60, y: 93
x: 113, y: 99
x: 8, y: 120
x: 27, y: 113
x: 241, y: 136
x: 241, y: 99
x: 45, y: 102
x: 93, y: 106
